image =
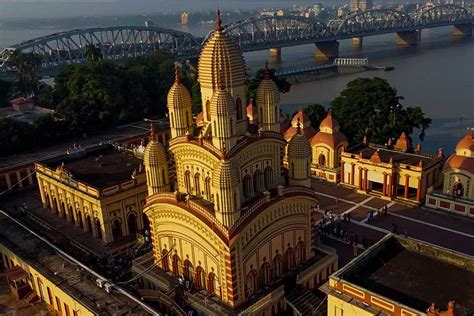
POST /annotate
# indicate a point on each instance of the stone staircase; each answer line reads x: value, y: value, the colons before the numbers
x: 31, y: 298
x: 304, y: 302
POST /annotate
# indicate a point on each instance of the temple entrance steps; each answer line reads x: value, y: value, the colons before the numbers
x: 304, y: 302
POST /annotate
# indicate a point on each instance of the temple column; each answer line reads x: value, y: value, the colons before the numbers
x: 394, y: 185
x: 41, y: 189
x: 360, y: 178
x: 352, y: 173
x: 407, y: 185
x: 418, y: 190
x: 384, y: 189
x: 366, y: 180
x: 342, y: 171
x: 389, y: 185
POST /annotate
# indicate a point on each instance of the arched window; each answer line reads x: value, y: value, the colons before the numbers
x: 48, y: 203
x: 88, y: 224
x: 187, y: 269
x: 71, y: 214
x: 277, y: 265
x: 40, y: 288
x: 79, y: 219
x: 175, y: 265
x: 187, y: 181
x: 258, y: 181
x: 290, y: 258
x: 458, y: 189
x: 98, y: 228
x: 63, y: 209
x: 211, y: 280
x: 208, y: 110
x: 251, y: 284
x: 200, y: 280
x: 238, y: 107
x: 322, y: 160
x: 132, y: 224
x: 163, y: 177
x: 300, y: 251
x: 207, y: 188
x: 268, y: 175
x: 197, y: 183
x: 116, y: 229
x: 165, y: 264
x: 247, y: 182
x: 265, y: 273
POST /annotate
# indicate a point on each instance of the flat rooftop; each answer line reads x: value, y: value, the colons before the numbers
x: 68, y: 276
x: 415, y: 274
x: 101, y: 167
x: 398, y: 156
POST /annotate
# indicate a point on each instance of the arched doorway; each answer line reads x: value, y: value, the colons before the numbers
x: 48, y: 203
x: 117, y: 229
x: 458, y: 189
x: 79, y: 219
x: 71, y: 214
x: 98, y: 228
x: 247, y: 183
x: 321, y: 160
x: 251, y: 284
x: 88, y: 224
x: 132, y: 224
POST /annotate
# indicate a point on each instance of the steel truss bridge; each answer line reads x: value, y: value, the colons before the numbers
x: 259, y: 33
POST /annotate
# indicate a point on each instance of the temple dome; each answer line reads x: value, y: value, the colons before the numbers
x: 298, y: 147
x: 465, y: 147
x: 222, y: 103
x: 221, y: 55
x: 329, y: 133
x: 463, y: 159
x: 329, y: 122
x: 179, y: 95
x: 155, y: 153
x: 267, y: 91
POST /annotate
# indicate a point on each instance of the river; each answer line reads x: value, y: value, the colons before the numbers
x: 437, y: 75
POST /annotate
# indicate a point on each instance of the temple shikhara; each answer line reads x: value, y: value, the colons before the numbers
x: 231, y: 224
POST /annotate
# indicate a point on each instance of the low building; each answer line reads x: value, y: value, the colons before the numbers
x: 391, y: 172
x: 101, y: 190
x: 403, y: 277
x: 24, y: 110
x: 457, y: 195
x: 36, y: 271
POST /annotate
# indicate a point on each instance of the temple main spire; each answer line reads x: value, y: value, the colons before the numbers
x: 218, y: 20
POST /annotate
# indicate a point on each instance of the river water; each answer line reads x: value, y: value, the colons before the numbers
x: 437, y: 75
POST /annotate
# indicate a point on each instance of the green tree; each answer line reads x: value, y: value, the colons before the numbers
x: 27, y: 66
x: 93, y: 53
x: 372, y: 107
x: 316, y: 113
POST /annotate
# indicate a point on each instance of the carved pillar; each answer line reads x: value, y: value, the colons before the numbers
x: 407, y: 185
x: 389, y: 185
x: 418, y: 190
x: 342, y: 171
x: 352, y: 173
x: 366, y: 180
x: 384, y: 188
x: 360, y: 178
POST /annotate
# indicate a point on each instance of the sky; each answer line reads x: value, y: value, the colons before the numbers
x: 64, y: 8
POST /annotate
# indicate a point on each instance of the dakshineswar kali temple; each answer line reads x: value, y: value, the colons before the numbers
x: 229, y: 226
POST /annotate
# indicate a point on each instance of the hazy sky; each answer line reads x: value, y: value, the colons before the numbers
x: 54, y: 8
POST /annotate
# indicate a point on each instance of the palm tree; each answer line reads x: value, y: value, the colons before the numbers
x: 27, y: 66
x: 93, y: 53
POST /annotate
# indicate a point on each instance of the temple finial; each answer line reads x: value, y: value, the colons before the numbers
x: 152, y: 132
x: 298, y: 126
x: 266, y: 72
x: 177, y: 75
x: 218, y: 20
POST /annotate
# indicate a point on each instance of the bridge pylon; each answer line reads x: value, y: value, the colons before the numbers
x: 327, y: 50
x: 357, y: 42
x: 462, y: 30
x: 275, y: 52
x: 408, y: 38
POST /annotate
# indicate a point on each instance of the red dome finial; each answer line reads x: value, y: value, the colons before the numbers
x: 266, y: 72
x: 152, y: 132
x: 177, y: 75
x: 218, y: 20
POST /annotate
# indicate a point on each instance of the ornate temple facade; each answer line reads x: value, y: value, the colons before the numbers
x: 457, y: 195
x: 231, y: 227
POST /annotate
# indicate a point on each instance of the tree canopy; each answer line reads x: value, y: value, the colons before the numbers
x: 372, y: 107
x: 252, y: 84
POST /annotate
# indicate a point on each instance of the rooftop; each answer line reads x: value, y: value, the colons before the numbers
x: 415, y: 274
x: 398, y: 156
x: 68, y: 276
x: 102, y: 167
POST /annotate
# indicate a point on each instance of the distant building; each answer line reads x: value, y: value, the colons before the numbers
x: 185, y: 18
x: 37, y: 274
x: 403, y: 277
x: 341, y: 12
x: 391, y: 171
x: 24, y: 110
x: 457, y: 195
x: 360, y: 5
x: 101, y: 191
